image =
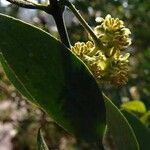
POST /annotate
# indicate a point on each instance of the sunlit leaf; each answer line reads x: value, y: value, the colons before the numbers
x: 135, y: 106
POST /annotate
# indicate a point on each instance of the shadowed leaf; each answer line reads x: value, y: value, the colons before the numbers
x: 119, y: 127
x: 48, y: 74
x: 141, y: 131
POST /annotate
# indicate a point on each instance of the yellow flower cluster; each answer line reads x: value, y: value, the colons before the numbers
x: 113, y: 33
x: 107, y: 64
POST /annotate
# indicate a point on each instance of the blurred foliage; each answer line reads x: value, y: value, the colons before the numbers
x: 135, y: 106
x: 136, y: 15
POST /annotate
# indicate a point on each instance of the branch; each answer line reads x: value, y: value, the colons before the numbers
x: 28, y: 4
x: 56, y: 9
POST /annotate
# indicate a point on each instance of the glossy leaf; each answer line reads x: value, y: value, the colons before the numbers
x: 41, y: 142
x: 119, y: 127
x: 48, y: 74
x: 141, y: 131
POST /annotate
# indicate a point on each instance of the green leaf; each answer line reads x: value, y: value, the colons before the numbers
x: 135, y: 106
x: 48, y: 74
x: 146, y: 118
x: 119, y: 127
x: 15, y: 79
x: 41, y: 142
x: 141, y: 131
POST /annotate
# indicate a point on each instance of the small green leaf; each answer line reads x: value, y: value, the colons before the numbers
x: 119, y: 127
x: 146, y: 118
x: 41, y: 142
x: 135, y: 106
x: 141, y: 131
x: 52, y: 77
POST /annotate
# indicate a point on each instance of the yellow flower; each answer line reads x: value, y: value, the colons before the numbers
x: 107, y: 63
x: 82, y: 49
x: 113, y: 70
x: 119, y: 73
x: 112, y: 33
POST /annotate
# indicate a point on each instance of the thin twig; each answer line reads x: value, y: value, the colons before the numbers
x: 28, y: 4
x: 97, y: 42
